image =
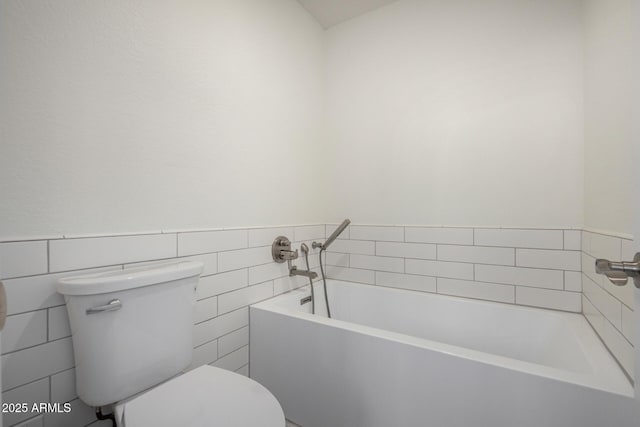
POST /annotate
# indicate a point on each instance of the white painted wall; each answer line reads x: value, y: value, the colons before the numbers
x: 609, y: 57
x: 120, y: 116
x: 332, y: 12
x: 457, y: 113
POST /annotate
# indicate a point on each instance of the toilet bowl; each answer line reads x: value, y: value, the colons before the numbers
x: 132, y: 334
x: 204, y: 397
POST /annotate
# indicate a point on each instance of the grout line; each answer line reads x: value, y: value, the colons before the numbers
x: 48, y: 256
x: 246, y: 365
x: 30, y: 382
x: 40, y: 379
x: 218, y: 337
x: 107, y: 235
x: 608, y: 320
x: 51, y: 389
x: 48, y: 325
x: 593, y: 328
x: 613, y: 234
x: 605, y: 290
x: 36, y: 345
x: 621, y: 250
x: 624, y: 236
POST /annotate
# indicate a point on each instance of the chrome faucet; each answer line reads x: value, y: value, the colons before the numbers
x: 293, y: 271
x: 281, y: 250
x: 306, y: 273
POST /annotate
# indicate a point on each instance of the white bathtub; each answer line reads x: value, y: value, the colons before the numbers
x: 393, y: 358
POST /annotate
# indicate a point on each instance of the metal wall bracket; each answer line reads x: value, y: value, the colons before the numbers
x: 618, y: 273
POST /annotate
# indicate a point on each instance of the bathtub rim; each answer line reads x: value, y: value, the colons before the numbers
x: 598, y: 380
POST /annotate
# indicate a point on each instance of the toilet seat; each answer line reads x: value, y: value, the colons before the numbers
x: 205, y: 397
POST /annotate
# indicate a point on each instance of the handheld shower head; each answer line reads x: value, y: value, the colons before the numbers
x: 304, y: 248
x: 336, y: 233
x: 324, y: 246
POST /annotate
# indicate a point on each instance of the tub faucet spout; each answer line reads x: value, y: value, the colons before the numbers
x: 306, y: 273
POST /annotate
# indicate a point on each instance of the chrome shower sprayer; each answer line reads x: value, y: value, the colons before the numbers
x: 334, y: 236
x: 323, y: 247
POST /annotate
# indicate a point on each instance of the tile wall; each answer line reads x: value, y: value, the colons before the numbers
x: 37, y: 359
x: 548, y: 268
x: 533, y: 267
x: 607, y: 307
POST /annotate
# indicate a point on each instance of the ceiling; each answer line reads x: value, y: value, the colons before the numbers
x: 332, y: 12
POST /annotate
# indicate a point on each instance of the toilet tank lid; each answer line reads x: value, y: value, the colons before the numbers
x: 118, y: 280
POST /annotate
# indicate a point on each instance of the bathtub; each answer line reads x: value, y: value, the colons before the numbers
x: 394, y: 358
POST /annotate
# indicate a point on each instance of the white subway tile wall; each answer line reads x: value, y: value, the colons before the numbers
x: 450, y: 270
x: 406, y: 281
x: 74, y: 254
x: 23, y: 258
x: 609, y: 308
x: 514, y: 238
x: 535, y: 267
x: 406, y: 250
x: 547, y: 298
x: 37, y: 391
x: 37, y: 359
x: 547, y: 268
x: 442, y: 235
x: 545, y: 258
x: 25, y: 330
x: 543, y: 268
x: 572, y: 239
x: 383, y: 233
x: 478, y: 290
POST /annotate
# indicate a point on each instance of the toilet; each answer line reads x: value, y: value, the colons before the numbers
x: 132, y: 333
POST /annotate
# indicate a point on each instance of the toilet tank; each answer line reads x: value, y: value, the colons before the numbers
x: 131, y: 329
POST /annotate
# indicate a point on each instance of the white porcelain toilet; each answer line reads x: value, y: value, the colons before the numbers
x: 132, y: 333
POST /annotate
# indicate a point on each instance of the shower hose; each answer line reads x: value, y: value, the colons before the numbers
x: 313, y: 297
x: 324, y: 284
